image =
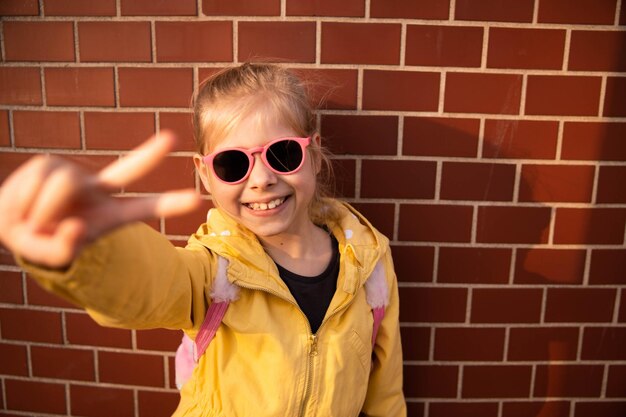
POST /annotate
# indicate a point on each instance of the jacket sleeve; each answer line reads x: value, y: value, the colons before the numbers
x: 385, y: 397
x: 135, y: 278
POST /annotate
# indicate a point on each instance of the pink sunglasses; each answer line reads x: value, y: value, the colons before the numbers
x: 282, y: 156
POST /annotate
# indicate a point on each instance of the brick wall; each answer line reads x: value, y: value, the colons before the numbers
x: 486, y: 138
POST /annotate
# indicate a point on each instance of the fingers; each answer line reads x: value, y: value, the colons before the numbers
x: 173, y: 203
x: 139, y: 162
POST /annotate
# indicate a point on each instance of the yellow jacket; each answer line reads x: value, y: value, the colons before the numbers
x: 264, y: 361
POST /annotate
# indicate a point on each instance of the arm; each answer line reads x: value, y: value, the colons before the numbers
x: 134, y: 278
x: 384, y: 393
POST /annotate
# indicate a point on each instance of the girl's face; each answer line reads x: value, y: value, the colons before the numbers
x: 249, y: 202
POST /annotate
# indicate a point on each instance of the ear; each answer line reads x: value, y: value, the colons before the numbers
x: 203, y: 171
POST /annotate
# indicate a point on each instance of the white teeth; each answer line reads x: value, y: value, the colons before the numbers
x: 266, y: 206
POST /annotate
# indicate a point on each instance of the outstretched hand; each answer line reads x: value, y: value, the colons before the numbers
x: 51, y: 208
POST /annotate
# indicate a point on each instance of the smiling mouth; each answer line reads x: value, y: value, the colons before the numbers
x: 266, y: 206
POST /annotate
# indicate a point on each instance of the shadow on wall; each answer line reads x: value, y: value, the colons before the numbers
x: 509, y: 270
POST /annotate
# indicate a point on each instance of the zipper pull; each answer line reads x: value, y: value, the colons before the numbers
x: 313, y: 345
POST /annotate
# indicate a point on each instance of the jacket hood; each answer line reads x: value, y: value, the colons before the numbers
x: 360, y: 248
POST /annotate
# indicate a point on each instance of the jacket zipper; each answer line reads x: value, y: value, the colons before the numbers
x: 312, y: 339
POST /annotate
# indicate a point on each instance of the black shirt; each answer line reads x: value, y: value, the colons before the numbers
x: 314, y: 294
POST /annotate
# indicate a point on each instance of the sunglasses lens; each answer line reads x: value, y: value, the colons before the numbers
x: 285, y: 155
x: 231, y: 166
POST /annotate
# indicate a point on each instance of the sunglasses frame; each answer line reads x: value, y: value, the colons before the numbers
x: 250, y: 152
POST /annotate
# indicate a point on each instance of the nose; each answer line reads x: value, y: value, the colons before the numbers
x: 261, y: 176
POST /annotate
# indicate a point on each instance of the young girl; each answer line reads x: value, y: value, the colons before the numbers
x: 296, y: 339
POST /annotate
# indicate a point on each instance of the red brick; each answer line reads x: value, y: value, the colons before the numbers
x: 99, y: 401
x: 580, y: 305
x: 92, y: 163
x: 348, y: 8
x: 159, y: 339
x: 523, y: 139
x: 291, y: 41
x: 194, y: 41
x: 11, y: 288
x: 63, y: 363
x: 80, y: 86
x: 568, y: 380
x: 469, y: 344
x: 585, y: 55
x: 435, y: 223
x: 360, y: 43
x: 477, y: 181
x: 114, y: 41
x: 388, y: 179
x: 550, y: 266
x: 180, y: 124
x: 187, y: 224
x: 360, y: 135
x: 38, y: 296
x: 345, y: 177
x: 526, y: 48
x: 594, y: 141
x: 506, y: 305
x: 79, y: 7
x: 483, y: 93
x: 10, y: 162
x: 495, y: 10
x: 131, y: 369
x: 407, y: 9
x: 601, y: 226
x: 496, y: 381
x: 241, y: 8
x: 38, y: 129
x: 611, y: 185
x: 430, y: 381
x: 545, y: 408
x: 577, y: 11
x: 155, y: 87
x: 39, y: 41
x: 433, y: 305
x: 557, y: 183
x: 159, y: 8
x: 13, y: 360
x: 614, y: 105
x: 604, y: 343
x: 622, y: 310
x: 622, y: 18
x: 395, y: 90
x: 600, y: 408
x: 415, y: 343
x: 416, y: 409
x: 543, y: 344
x: 450, y: 46
x: 5, y: 134
x: 616, y: 381
x: 31, y: 325
x: 608, y: 266
x: 82, y: 330
x: 117, y: 130
x: 463, y: 409
x: 35, y: 396
x: 474, y: 265
x: 414, y: 263
x: 157, y: 404
x: 19, y: 8
x: 180, y: 175
x: 332, y: 88
x: 20, y: 85
x: 563, y: 95
x: 440, y: 136
x: 513, y: 224
x: 380, y: 215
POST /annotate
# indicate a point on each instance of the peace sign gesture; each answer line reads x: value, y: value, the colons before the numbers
x: 50, y: 208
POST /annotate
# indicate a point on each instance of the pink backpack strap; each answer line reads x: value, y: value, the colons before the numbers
x: 211, y: 323
x: 377, y: 294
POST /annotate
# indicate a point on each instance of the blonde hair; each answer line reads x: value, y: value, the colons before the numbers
x: 224, y: 99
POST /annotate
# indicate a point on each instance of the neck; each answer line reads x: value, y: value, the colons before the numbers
x: 306, y: 253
